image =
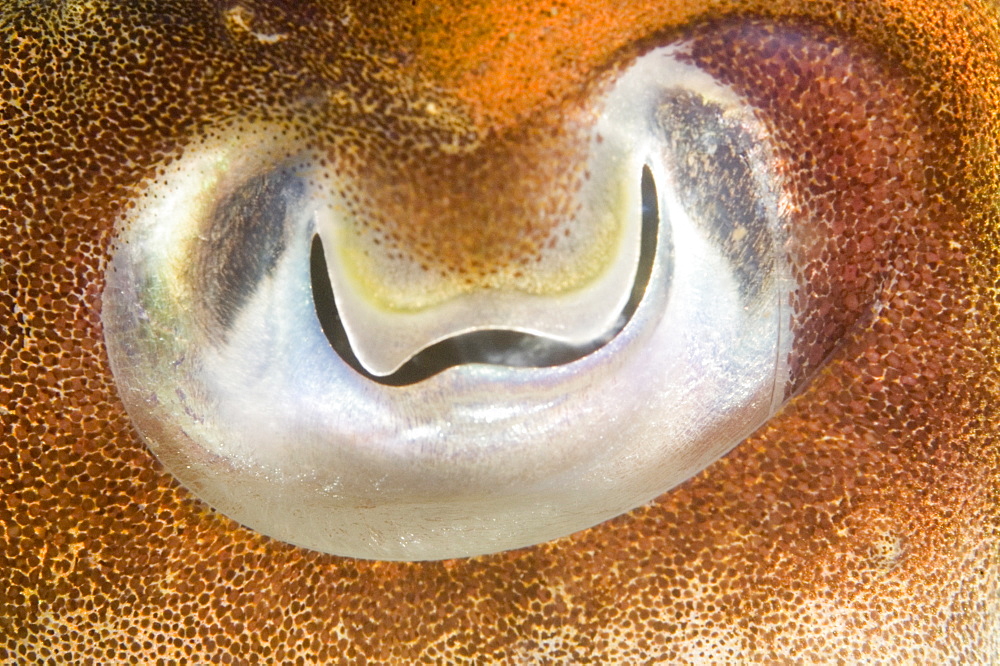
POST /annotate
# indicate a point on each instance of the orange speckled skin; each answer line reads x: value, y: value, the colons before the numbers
x: 861, y: 523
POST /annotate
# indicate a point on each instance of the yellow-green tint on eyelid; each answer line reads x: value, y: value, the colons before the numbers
x: 174, y: 213
x: 401, y: 285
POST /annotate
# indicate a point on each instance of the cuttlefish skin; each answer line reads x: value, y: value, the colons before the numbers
x: 862, y: 522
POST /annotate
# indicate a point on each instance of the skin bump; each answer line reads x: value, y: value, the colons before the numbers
x: 859, y: 524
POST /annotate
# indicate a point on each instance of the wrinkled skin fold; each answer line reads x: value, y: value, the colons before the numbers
x: 860, y: 522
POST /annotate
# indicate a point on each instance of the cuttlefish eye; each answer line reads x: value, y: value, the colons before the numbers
x: 467, y: 342
x: 418, y: 278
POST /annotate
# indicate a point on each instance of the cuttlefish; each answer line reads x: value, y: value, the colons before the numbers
x: 340, y: 331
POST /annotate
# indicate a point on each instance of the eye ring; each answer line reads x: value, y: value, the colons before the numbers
x: 249, y: 402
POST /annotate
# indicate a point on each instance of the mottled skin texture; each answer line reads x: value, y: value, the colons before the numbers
x: 861, y: 522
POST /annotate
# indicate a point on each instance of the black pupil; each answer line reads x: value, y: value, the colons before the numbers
x: 495, y: 347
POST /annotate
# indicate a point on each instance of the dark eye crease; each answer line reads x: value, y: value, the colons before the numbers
x: 189, y: 189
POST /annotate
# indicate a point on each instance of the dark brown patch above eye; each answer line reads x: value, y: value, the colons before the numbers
x: 855, y: 146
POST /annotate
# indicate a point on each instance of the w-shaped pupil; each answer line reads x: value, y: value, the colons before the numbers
x: 494, y: 347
